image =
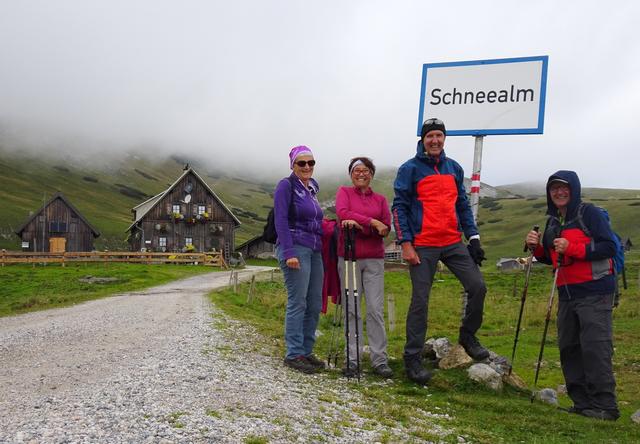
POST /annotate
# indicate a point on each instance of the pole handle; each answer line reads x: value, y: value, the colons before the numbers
x: 536, y: 228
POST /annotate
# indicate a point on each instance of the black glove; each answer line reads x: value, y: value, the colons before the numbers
x: 476, y: 252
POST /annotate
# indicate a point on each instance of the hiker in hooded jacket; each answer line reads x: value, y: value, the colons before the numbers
x: 298, y: 223
x: 431, y: 213
x: 586, y: 285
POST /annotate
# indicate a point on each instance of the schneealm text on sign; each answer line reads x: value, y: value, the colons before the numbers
x: 456, y: 97
x: 501, y: 96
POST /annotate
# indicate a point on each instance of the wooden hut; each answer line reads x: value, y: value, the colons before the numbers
x: 257, y: 247
x: 187, y: 216
x: 57, y: 227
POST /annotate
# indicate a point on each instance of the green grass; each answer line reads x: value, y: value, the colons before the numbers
x: 479, y: 414
x: 25, y: 288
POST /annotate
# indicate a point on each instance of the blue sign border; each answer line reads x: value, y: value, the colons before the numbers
x: 486, y: 132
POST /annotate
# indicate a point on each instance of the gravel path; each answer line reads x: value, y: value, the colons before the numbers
x: 163, y: 365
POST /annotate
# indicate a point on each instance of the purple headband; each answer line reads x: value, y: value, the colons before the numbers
x: 298, y: 151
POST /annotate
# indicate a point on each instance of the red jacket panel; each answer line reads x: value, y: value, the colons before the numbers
x: 438, y: 194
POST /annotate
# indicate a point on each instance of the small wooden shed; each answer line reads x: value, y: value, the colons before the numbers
x: 187, y: 216
x: 256, y: 247
x: 57, y: 227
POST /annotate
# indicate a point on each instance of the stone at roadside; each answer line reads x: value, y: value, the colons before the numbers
x: 97, y: 280
x: 548, y: 395
x: 514, y: 381
x: 484, y: 374
x: 456, y: 358
x: 429, y: 354
x: 562, y: 389
x: 499, y: 363
x: 636, y: 417
x: 441, y: 346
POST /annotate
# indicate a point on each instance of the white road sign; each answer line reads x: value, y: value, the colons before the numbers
x: 482, y: 97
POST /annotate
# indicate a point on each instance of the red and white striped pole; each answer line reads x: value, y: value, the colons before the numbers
x: 475, y: 177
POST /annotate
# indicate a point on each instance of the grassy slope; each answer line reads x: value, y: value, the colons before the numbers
x: 26, y: 288
x: 26, y: 179
x: 479, y: 414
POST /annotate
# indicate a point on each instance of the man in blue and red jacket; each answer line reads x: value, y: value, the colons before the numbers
x: 431, y: 212
x: 586, y: 285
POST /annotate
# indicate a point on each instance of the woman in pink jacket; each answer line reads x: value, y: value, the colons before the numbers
x: 358, y: 206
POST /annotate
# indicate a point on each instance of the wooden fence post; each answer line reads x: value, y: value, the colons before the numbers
x: 391, y: 312
x: 235, y: 282
x: 251, y: 288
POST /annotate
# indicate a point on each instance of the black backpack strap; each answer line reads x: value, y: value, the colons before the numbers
x: 579, y: 218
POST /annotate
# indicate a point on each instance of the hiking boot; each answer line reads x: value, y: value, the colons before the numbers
x: 472, y: 346
x: 417, y: 373
x: 573, y: 410
x: 315, y: 362
x: 300, y: 363
x: 350, y: 370
x: 606, y: 415
x: 383, y: 370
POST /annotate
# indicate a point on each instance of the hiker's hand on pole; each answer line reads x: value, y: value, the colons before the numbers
x: 293, y: 262
x: 349, y: 223
x: 560, y: 244
x: 409, y: 253
x: 532, y: 240
x: 381, y: 228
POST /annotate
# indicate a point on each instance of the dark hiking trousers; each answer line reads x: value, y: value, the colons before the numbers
x: 456, y: 258
x: 585, y: 339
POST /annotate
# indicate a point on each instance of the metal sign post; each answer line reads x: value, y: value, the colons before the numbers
x: 475, y: 178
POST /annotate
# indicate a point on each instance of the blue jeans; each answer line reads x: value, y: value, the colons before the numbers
x: 304, y: 300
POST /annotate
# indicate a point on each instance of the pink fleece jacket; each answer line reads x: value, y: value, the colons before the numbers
x: 351, y: 203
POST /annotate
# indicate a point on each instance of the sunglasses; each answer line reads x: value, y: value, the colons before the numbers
x: 304, y: 163
x: 433, y: 121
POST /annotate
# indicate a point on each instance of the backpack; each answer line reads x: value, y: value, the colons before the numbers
x: 269, y: 233
x: 618, y: 257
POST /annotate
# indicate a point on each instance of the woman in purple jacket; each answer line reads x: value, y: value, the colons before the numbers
x: 358, y: 206
x: 298, y: 221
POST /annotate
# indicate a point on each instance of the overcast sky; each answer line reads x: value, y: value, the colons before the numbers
x: 240, y: 82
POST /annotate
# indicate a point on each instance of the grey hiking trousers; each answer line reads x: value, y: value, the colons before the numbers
x: 456, y: 258
x: 585, y: 339
x: 370, y: 280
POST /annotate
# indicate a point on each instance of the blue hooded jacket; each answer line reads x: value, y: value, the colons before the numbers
x: 586, y: 267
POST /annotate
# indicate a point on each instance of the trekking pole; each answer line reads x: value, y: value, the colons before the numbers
x: 527, y: 273
x: 546, y: 326
x: 347, y: 246
x: 355, y: 299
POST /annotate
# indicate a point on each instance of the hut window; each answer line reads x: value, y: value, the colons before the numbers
x: 202, y: 209
x: 188, y: 241
x: 176, y: 208
x: 57, y: 227
x: 162, y: 242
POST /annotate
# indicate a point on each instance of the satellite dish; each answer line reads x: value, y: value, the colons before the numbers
x: 188, y: 187
x: 187, y: 198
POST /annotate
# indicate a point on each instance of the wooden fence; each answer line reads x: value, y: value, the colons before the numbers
x: 13, y: 257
